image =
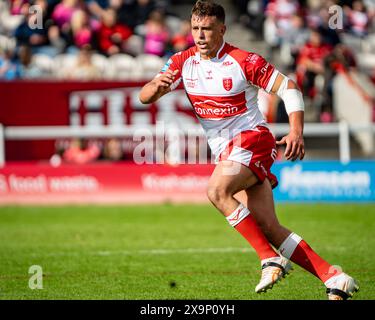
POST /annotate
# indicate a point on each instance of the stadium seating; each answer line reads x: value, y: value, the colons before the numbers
x: 102, y: 63
x: 44, y: 63
x: 8, y: 21
x: 123, y: 67
x: 150, y: 65
x: 173, y: 24
x: 7, y: 43
x: 62, y: 62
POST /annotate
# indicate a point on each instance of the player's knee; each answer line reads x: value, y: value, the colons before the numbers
x: 217, y: 193
x: 212, y: 194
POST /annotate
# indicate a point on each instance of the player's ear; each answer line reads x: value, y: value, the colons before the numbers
x: 223, y: 29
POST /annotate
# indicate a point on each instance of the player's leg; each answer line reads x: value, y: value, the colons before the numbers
x: 228, y: 179
x: 259, y: 200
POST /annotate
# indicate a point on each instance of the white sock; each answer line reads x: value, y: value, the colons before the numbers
x: 272, y: 259
x: 289, y: 245
x: 238, y: 215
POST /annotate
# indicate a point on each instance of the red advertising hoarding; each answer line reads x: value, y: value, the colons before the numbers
x: 38, y: 183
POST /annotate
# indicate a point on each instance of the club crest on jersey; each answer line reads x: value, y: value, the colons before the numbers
x: 227, y: 83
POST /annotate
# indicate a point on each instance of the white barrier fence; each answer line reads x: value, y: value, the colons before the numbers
x: 342, y: 130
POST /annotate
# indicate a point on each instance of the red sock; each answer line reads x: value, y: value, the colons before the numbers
x: 245, y: 224
x: 297, y: 250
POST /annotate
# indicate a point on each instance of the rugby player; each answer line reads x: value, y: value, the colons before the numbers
x: 222, y: 84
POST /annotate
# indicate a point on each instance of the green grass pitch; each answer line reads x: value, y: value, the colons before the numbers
x: 171, y: 252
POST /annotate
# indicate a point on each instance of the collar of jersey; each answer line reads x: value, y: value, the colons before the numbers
x: 219, y: 54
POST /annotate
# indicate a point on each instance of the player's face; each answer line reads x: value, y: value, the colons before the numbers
x: 208, y: 33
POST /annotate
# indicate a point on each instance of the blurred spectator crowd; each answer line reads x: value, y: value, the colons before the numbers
x: 82, y: 151
x: 313, y: 40
x: 88, y: 39
x: 310, y: 40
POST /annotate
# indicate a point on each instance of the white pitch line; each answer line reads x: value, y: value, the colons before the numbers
x: 175, y: 251
x: 165, y: 251
x: 150, y: 252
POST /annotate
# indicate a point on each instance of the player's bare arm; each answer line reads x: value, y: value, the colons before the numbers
x: 157, y: 87
x: 295, y: 147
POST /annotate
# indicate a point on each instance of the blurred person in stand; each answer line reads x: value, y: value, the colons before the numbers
x: 183, y: 39
x: 113, y: 150
x: 84, y: 69
x: 63, y: 13
x: 251, y: 13
x: 319, y: 16
x: 16, y: 6
x: 359, y: 20
x: 293, y: 41
x: 81, y: 152
x: 10, y: 16
x: 341, y: 59
x: 156, y: 34
x: 83, y: 29
x: 34, y: 30
x: 27, y: 69
x: 61, y: 17
x: 25, y: 34
x: 8, y: 67
x: 329, y: 35
x: 112, y: 36
x: 278, y: 22
x: 97, y: 7
x: 310, y: 63
x: 135, y: 12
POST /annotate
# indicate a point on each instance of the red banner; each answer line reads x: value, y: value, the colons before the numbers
x: 30, y: 183
x: 54, y: 103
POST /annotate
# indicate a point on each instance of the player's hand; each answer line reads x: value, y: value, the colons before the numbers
x: 295, y: 146
x: 157, y: 87
x: 163, y: 82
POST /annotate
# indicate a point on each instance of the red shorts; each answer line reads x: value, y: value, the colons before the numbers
x: 255, y: 149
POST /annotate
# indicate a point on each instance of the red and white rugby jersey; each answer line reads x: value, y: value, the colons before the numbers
x: 223, y: 91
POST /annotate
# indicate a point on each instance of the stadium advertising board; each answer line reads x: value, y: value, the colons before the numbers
x: 325, y: 181
x: 318, y: 181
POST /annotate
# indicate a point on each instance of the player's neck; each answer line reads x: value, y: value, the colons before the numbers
x: 213, y: 53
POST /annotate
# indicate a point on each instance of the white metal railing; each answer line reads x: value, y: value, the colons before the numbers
x: 342, y: 130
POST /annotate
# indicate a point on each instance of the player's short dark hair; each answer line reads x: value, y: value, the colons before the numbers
x: 208, y: 8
